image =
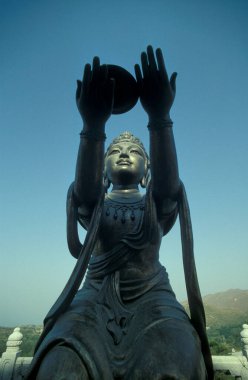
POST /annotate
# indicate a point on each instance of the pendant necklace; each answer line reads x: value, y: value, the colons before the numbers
x: 117, y: 209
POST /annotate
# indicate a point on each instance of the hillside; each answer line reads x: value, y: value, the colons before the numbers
x: 226, y: 312
x: 232, y: 299
x: 225, y: 308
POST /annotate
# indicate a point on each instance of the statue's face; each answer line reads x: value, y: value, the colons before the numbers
x: 125, y: 164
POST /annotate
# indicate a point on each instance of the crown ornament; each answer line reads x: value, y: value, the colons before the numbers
x: 128, y: 137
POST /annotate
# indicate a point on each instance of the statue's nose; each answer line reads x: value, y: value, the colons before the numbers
x: 124, y: 153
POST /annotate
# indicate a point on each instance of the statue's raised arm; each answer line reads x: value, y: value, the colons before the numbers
x: 157, y: 93
x: 95, y: 98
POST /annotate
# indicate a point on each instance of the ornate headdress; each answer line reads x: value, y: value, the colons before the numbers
x: 128, y: 137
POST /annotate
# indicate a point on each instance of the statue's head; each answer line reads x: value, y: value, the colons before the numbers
x: 126, y: 162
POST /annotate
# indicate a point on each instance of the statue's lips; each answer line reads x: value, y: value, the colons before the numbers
x: 123, y: 162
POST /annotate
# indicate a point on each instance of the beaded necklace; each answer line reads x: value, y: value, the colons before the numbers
x: 118, y: 209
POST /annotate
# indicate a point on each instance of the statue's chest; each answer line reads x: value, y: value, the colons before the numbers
x: 119, y: 219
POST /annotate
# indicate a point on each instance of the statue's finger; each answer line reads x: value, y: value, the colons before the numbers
x: 144, y: 64
x: 151, y: 59
x: 173, y: 82
x: 103, y: 73
x: 78, y: 91
x: 138, y: 74
x: 86, y: 77
x: 161, y: 64
x: 95, y: 68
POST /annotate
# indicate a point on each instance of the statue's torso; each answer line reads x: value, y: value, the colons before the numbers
x: 121, y: 217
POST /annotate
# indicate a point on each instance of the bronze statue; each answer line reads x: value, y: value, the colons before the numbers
x: 125, y: 322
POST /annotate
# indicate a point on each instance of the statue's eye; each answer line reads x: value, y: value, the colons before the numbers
x: 114, y: 151
x: 134, y: 151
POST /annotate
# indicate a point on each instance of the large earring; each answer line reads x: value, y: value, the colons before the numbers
x: 106, y: 183
x: 143, y: 182
x: 146, y: 179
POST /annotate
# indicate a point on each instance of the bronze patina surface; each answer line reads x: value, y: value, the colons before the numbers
x: 125, y: 322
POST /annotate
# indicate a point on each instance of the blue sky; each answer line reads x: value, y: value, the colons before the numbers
x: 44, y: 46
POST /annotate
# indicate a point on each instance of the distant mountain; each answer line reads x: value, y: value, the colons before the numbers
x: 232, y: 299
x: 225, y: 308
x: 226, y: 312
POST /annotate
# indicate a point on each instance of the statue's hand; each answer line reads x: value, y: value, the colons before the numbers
x: 95, y: 95
x: 157, y: 91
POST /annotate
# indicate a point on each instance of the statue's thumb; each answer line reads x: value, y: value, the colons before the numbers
x: 173, y: 82
x: 78, y: 91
